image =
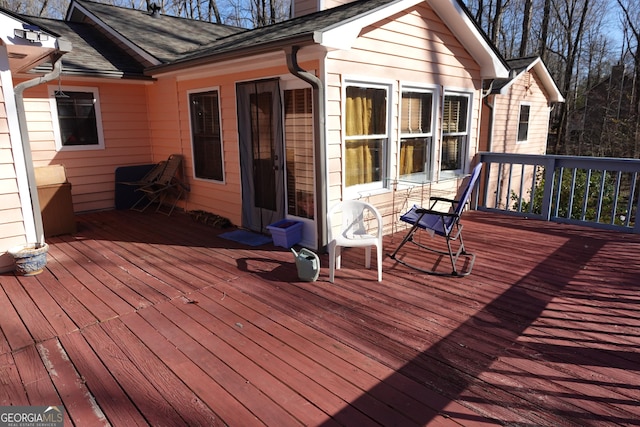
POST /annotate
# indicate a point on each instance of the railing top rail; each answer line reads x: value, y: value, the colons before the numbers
x: 582, y: 162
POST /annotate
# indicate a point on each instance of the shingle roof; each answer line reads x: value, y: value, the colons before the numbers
x: 92, y: 53
x: 165, y: 37
x: 302, y: 28
x: 516, y: 66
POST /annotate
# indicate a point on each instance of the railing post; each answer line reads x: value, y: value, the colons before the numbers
x: 549, y: 171
x: 636, y: 225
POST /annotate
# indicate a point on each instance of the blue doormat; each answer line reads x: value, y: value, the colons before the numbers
x: 246, y: 237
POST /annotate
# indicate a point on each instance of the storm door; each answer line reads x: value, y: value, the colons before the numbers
x: 261, y: 153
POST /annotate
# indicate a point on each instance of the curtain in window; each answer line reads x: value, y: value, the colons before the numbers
x: 413, y: 155
x: 359, y: 159
x: 365, y: 115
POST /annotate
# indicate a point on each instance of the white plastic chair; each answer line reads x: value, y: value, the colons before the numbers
x: 360, y: 226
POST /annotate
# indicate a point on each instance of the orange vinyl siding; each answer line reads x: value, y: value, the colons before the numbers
x: 410, y: 48
x: 92, y: 172
x: 221, y: 198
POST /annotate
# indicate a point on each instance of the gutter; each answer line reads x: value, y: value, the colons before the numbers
x: 320, y: 152
x: 62, y: 46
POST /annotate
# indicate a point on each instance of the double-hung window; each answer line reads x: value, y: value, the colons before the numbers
x: 416, y: 135
x: 79, y: 125
x: 206, y: 138
x: 455, y: 133
x: 523, y: 123
x: 366, y: 135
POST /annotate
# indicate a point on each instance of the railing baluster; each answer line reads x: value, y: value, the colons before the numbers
x: 616, y: 196
x: 600, y: 196
x: 533, y: 188
x: 508, y: 192
x: 636, y: 223
x: 498, y: 186
x: 572, y: 193
x: 558, y: 192
x: 585, y: 199
x: 520, y: 190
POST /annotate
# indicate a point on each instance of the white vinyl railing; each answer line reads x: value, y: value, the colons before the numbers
x: 594, y: 191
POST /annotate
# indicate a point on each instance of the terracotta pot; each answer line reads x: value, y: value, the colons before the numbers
x: 30, y: 260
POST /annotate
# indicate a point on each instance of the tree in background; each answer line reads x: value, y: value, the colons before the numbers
x: 241, y: 13
x: 573, y: 39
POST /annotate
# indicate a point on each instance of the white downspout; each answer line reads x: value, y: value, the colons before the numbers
x: 63, y: 46
x: 319, y: 141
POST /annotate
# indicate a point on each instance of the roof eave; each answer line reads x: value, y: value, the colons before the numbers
x: 547, y: 80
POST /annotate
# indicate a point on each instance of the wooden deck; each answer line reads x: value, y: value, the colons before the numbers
x: 143, y: 319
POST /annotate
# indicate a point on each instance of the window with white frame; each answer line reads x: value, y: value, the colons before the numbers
x: 416, y: 135
x: 79, y: 124
x: 206, y: 137
x: 366, y: 135
x: 523, y: 123
x: 455, y: 133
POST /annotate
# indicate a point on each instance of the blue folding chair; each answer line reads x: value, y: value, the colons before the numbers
x: 444, y: 224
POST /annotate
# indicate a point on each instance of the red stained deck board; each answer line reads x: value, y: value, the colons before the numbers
x: 11, y: 323
x: 113, y: 401
x: 199, y: 350
x: 131, y: 288
x: 229, y: 410
x: 12, y: 390
x: 75, y: 310
x: 166, y: 382
x: 55, y: 315
x: 172, y: 243
x: 423, y: 393
x: 309, y: 402
x: 67, y: 289
x: 155, y: 407
x: 311, y: 359
x: 163, y: 263
x: 541, y: 333
x: 39, y: 327
x: 35, y: 378
x: 76, y: 398
x: 97, y: 298
x: 123, y: 297
x: 381, y: 349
